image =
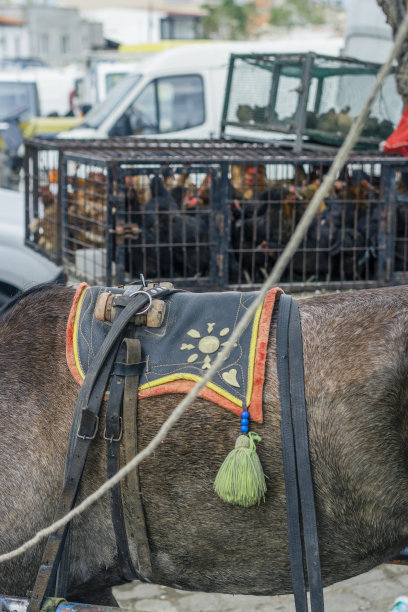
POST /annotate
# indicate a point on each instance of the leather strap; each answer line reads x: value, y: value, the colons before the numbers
x: 50, y: 558
x: 289, y: 457
x: 84, y: 429
x: 304, y: 471
x: 113, y: 436
x: 295, y: 450
x: 131, y: 489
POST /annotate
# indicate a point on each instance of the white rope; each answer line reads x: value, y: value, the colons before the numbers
x: 274, y: 277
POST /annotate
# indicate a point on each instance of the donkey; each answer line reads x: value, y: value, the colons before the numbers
x: 355, y: 348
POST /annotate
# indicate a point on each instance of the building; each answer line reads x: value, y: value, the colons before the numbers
x: 55, y: 35
x: 143, y: 22
x: 14, y: 38
x: 368, y: 36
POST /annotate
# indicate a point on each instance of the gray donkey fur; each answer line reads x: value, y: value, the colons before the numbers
x: 356, y: 378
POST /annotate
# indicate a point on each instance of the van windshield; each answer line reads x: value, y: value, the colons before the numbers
x: 98, y: 114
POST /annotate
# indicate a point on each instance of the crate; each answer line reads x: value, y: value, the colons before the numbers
x: 217, y: 214
x: 308, y: 98
x: 43, y: 172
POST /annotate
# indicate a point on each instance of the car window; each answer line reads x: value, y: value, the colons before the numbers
x: 18, y: 100
x: 143, y: 112
x: 112, y: 79
x: 101, y: 111
x: 167, y: 104
x: 181, y: 102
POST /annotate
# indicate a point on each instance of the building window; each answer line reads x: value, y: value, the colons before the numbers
x: 17, y: 51
x: 64, y: 44
x: 44, y: 44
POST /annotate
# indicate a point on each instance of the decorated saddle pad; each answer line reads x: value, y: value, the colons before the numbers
x: 177, y: 354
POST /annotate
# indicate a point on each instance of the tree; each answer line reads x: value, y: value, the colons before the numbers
x: 297, y: 12
x: 227, y: 19
x: 395, y: 12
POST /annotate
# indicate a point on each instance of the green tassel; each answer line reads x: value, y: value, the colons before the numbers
x: 240, y: 479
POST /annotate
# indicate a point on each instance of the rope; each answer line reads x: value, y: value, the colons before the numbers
x: 271, y: 281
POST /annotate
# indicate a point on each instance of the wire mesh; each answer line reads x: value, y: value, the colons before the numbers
x: 400, y: 225
x: 268, y: 92
x: 219, y: 214
x: 340, y: 246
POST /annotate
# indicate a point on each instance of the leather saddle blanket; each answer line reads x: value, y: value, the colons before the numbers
x: 176, y: 354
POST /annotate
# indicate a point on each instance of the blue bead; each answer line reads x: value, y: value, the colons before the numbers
x: 244, y: 421
x: 245, y: 414
x: 244, y: 428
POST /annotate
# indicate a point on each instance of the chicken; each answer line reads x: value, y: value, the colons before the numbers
x: 248, y: 181
x: 344, y: 120
x: 327, y: 122
x: 371, y: 127
x: 244, y: 113
x: 173, y: 242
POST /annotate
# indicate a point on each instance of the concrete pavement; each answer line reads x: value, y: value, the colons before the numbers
x: 374, y: 591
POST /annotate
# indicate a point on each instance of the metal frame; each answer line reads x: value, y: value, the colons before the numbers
x: 274, y: 63
x: 124, y: 157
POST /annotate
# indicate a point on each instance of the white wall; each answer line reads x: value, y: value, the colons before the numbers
x: 128, y: 26
x: 368, y: 36
x: 13, y: 41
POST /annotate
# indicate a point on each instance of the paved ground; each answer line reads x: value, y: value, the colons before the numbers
x: 374, y: 591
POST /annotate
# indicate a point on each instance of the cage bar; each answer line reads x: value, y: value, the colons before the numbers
x: 217, y: 214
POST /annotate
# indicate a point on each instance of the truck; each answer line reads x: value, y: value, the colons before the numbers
x: 179, y: 92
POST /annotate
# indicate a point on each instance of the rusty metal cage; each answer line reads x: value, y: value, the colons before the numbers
x: 217, y: 214
x: 42, y: 176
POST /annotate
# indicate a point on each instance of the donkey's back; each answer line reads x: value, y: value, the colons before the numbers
x: 355, y: 357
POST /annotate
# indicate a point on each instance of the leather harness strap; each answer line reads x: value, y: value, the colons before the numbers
x: 296, y: 460
x: 131, y: 489
x: 121, y: 424
x: 84, y: 430
x: 289, y: 458
x: 50, y: 559
x: 113, y: 435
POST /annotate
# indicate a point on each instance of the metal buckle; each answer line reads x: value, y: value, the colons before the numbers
x: 94, y: 433
x: 140, y: 312
x: 112, y: 439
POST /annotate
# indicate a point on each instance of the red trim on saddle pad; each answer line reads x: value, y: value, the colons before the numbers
x: 70, y: 334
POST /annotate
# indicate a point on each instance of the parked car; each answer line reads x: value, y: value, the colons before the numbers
x: 179, y: 93
x: 20, y: 266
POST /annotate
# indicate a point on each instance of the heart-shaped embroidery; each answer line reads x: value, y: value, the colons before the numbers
x: 230, y: 377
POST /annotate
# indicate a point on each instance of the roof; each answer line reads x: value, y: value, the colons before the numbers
x: 11, y: 21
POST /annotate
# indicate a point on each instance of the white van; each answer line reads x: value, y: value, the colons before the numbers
x: 100, y: 77
x: 179, y: 93
x: 35, y: 92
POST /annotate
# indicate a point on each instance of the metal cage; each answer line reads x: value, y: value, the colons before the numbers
x: 217, y: 214
x: 306, y: 97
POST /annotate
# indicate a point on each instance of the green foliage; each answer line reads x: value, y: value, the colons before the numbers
x: 227, y: 20
x: 296, y: 12
x: 281, y: 16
